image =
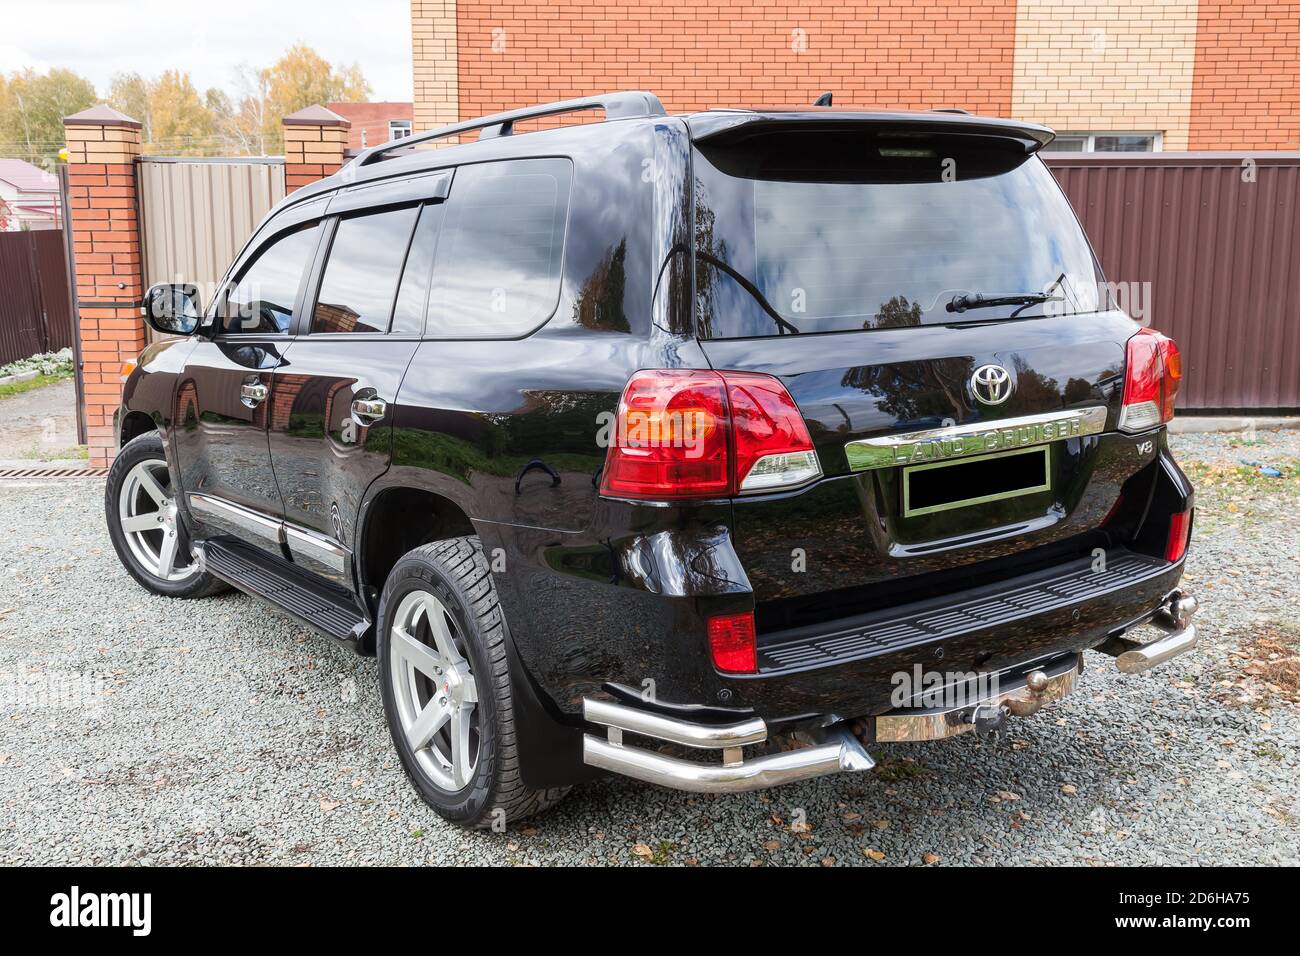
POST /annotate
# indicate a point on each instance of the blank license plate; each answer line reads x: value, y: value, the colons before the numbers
x: 944, y: 485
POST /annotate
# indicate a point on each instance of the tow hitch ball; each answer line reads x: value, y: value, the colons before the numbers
x: 989, y: 717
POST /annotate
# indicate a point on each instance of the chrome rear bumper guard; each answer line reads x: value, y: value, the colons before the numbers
x: 839, y: 751
x: 1174, y: 618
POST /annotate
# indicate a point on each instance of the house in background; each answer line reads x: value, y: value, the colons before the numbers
x: 374, y: 123
x: 1109, y: 76
x: 31, y: 195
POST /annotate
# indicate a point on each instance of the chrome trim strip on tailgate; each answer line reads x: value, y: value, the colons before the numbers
x: 974, y: 438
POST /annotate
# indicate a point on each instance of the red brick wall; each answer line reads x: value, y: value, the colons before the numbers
x: 106, y: 245
x: 1246, y: 84
x: 897, y: 54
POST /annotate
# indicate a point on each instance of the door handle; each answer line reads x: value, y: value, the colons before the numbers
x: 367, y: 410
x: 253, y: 395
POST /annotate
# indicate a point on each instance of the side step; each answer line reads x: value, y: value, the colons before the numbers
x: 297, y: 593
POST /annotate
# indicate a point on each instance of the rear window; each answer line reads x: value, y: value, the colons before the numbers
x: 836, y: 232
x: 496, y: 272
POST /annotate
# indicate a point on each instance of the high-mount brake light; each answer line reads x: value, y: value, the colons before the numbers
x: 683, y: 434
x: 1153, y: 370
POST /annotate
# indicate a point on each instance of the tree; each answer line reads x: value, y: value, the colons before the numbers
x: 32, y: 108
x: 301, y: 78
x: 129, y: 93
x: 243, y: 122
x: 181, y: 122
x: 4, y: 216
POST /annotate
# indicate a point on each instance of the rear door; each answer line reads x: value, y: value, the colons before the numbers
x: 334, y: 397
x: 847, y: 263
x: 221, y: 402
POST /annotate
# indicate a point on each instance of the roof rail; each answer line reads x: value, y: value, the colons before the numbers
x: 950, y: 109
x: 627, y: 104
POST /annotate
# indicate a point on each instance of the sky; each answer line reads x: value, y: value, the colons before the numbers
x: 207, y: 38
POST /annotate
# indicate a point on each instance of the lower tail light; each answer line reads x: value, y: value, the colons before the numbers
x: 687, y: 433
x: 1153, y: 371
x: 1180, y: 527
x: 732, y: 643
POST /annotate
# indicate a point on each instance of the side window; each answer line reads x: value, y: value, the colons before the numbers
x: 361, y: 274
x: 261, y: 302
x: 408, y: 314
x: 497, y: 269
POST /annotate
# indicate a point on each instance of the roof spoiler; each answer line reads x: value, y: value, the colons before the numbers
x: 627, y: 104
x: 720, y: 125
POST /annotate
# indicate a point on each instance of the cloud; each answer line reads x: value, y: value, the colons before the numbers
x: 207, y: 39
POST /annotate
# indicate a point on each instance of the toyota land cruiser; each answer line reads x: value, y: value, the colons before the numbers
x: 776, y: 434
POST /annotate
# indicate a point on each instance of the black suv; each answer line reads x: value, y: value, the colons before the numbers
x: 778, y: 434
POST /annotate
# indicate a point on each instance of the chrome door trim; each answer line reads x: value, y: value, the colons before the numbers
x: 316, y: 549
x: 230, y: 516
x: 974, y: 438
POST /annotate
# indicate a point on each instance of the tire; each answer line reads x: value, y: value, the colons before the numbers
x: 138, y: 490
x: 455, y: 575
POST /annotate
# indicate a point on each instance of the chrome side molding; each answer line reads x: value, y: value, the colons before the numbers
x: 314, y: 550
x: 973, y: 438
x: 839, y: 751
x: 236, y: 518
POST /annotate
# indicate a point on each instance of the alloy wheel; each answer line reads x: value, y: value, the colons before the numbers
x: 436, y: 694
x: 150, y: 520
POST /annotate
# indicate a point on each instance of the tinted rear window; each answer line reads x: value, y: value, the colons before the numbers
x: 862, y: 231
x: 496, y: 273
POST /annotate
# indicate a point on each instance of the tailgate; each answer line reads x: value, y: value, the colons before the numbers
x: 962, y: 432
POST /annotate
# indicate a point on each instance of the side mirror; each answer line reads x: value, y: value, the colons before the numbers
x: 172, y: 309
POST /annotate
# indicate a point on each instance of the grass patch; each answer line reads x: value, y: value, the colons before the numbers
x: 895, y: 771
x: 40, y: 381
x: 1230, y: 478
x: 71, y: 453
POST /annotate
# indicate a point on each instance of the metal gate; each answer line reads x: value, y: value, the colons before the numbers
x: 35, y: 313
x: 195, y: 214
x: 1217, y: 237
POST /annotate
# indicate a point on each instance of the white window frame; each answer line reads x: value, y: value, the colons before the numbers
x: 1090, y: 139
x: 399, y: 129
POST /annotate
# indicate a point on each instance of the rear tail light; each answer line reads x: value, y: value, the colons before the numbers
x: 1153, y: 372
x: 1180, y: 526
x: 682, y: 434
x: 732, y: 644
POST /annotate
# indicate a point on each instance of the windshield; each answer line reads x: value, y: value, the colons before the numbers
x: 886, y: 234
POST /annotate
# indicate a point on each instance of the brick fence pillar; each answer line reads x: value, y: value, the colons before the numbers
x: 103, y: 146
x: 314, y: 141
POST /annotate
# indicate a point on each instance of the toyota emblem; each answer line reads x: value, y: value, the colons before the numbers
x: 991, y: 384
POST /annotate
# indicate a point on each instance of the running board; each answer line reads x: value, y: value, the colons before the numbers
x: 309, y: 601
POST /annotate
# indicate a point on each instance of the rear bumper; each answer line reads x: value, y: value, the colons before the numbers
x: 980, y: 703
x: 849, y: 669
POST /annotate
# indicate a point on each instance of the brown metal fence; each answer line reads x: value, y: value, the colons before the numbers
x: 1217, y: 236
x: 35, y: 313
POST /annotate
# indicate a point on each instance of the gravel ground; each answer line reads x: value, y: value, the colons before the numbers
x: 142, y: 730
x: 39, y: 424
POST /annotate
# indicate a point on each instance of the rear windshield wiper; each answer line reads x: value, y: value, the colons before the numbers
x: 960, y: 303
